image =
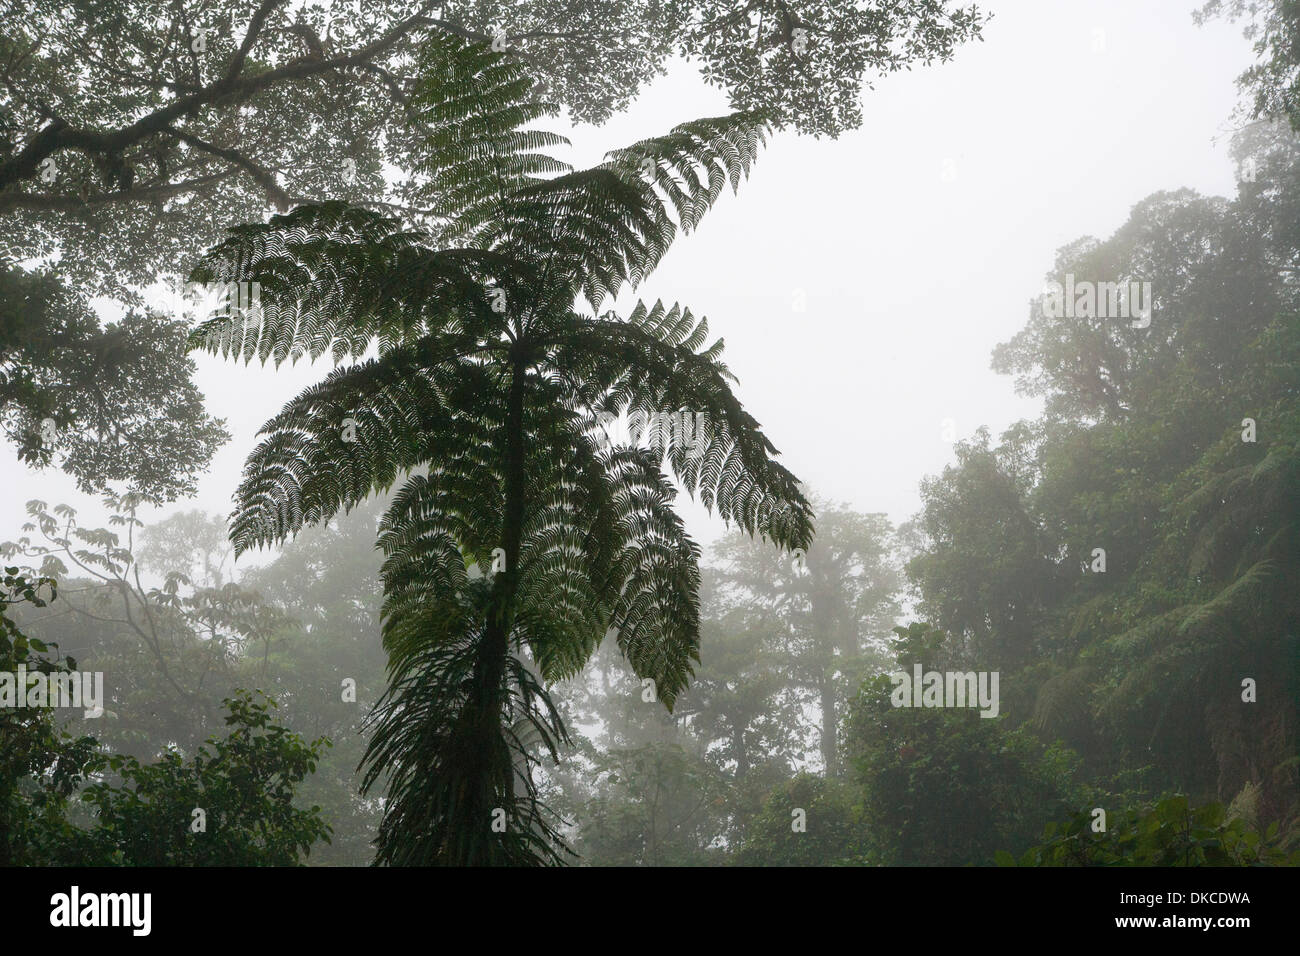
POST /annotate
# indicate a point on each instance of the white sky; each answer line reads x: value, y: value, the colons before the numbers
x: 910, y: 276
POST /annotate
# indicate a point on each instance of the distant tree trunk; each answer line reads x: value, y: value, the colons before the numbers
x: 829, y: 743
x: 741, y: 753
x: 824, y: 642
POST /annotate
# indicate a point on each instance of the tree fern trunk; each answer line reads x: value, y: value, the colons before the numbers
x: 494, y: 650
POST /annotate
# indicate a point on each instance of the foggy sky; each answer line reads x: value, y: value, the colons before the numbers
x: 916, y: 241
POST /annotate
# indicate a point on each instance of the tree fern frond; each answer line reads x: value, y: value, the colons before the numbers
x: 335, y: 278
x: 731, y: 467
x: 472, y: 104
x: 353, y: 434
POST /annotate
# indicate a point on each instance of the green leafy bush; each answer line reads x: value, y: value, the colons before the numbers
x: 1168, y: 834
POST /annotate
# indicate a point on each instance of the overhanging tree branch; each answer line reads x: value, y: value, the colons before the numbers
x: 58, y: 135
x: 264, y: 177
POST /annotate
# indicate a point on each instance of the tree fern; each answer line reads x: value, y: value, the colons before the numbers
x: 484, y: 403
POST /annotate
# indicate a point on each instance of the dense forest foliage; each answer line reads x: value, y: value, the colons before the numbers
x: 479, y: 632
